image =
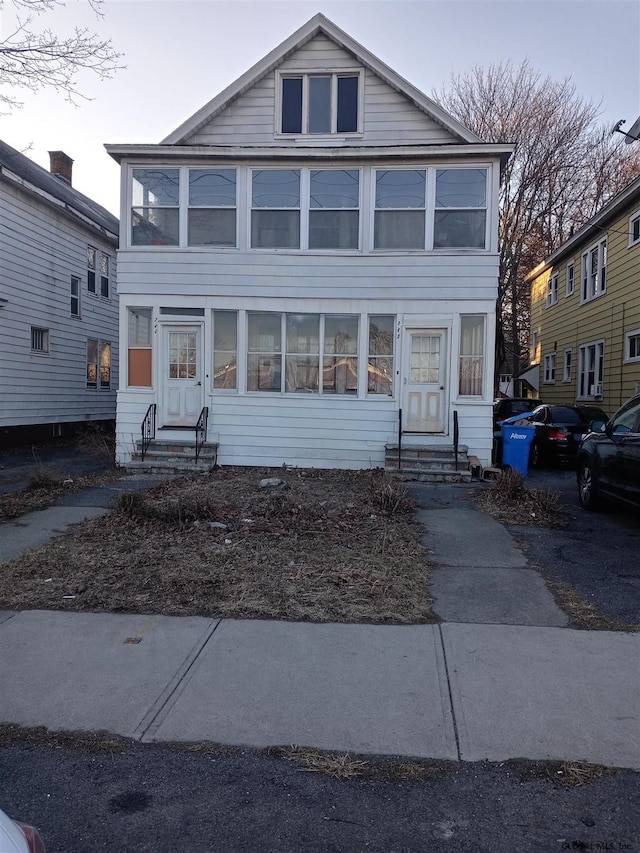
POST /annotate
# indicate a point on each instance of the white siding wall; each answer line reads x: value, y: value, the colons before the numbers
x: 40, y: 249
x: 389, y: 118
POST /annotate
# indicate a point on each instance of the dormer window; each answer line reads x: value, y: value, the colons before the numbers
x: 320, y: 104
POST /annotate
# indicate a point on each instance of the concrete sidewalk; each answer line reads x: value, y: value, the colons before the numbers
x: 500, y: 677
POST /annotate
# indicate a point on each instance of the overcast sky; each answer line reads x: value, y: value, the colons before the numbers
x: 180, y: 54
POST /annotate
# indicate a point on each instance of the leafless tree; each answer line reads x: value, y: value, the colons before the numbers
x: 564, y: 168
x: 34, y: 58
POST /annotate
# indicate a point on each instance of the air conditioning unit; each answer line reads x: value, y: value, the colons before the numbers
x: 598, y: 392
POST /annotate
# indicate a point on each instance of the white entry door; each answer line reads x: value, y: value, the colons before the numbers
x: 182, y: 386
x: 424, y: 381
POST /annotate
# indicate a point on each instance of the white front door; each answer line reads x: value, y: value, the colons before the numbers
x: 182, y: 387
x: 424, y: 381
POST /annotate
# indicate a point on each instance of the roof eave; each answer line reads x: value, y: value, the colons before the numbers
x: 318, y: 24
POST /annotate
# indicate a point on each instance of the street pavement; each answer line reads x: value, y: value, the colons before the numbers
x: 501, y: 676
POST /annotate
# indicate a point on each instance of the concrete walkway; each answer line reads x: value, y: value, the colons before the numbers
x: 501, y: 676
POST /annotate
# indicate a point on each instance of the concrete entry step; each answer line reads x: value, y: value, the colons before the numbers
x: 176, y: 456
x: 428, y: 463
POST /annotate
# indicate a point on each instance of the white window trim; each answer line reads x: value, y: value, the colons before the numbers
x: 566, y: 374
x: 46, y: 340
x: 585, y: 292
x: 334, y: 73
x: 78, y: 296
x: 552, y: 289
x: 635, y: 217
x: 549, y: 364
x: 582, y: 349
x: 569, y: 290
x: 627, y: 341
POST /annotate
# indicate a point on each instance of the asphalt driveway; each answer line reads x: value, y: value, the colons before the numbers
x: 598, y: 553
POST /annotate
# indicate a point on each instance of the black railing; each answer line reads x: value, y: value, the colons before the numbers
x: 399, y: 439
x: 456, y: 436
x: 148, y: 429
x: 201, y: 430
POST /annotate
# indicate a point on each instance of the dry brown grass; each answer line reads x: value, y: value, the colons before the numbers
x: 564, y: 774
x: 510, y: 501
x: 329, y: 546
x: 583, y: 614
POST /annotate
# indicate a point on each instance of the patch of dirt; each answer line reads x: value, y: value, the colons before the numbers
x: 351, y: 766
x: 324, y: 546
x: 564, y: 774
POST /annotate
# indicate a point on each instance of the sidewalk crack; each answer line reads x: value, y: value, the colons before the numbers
x: 453, y: 711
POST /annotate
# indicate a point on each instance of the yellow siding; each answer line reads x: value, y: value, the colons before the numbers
x: 570, y: 324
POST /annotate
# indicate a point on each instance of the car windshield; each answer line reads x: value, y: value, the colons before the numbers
x: 591, y: 413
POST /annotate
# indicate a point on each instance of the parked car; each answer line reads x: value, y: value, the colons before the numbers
x: 609, y: 459
x: 559, y: 430
x: 507, y: 407
x: 18, y: 837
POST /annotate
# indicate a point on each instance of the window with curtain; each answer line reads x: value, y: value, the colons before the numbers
x: 461, y: 209
x: 212, y: 207
x: 399, y: 220
x: 275, y: 212
x: 380, y: 361
x: 334, y: 198
x: 155, y: 219
x: 225, y: 349
x: 471, y: 360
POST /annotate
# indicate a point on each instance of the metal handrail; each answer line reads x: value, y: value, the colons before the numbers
x: 399, y: 439
x: 201, y: 430
x: 148, y: 429
x: 456, y: 435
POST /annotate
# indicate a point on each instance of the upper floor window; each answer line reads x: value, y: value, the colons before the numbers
x: 319, y: 103
x: 634, y: 229
x: 461, y: 209
x: 212, y: 207
x: 571, y: 275
x: 594, y: 271
x: 552, y: 290
x: 334, y: 199
x: 155, y: 211
x: 400, y: 216
x: 74, y: 293
x: 275, y: 209
x: 104, y: 275
x: 92, y: 256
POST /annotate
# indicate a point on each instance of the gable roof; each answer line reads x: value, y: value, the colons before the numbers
x: 319, y: 24
x: 14, y: 165
x: 593, y: 228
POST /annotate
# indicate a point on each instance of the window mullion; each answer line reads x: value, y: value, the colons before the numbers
x: 321, y: 355
x: 305, y: 204
x: 334, y: 103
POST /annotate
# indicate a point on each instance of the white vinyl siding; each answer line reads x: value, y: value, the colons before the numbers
x: 41, y: 250
x: 388, y: 118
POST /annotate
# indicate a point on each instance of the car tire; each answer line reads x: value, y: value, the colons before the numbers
x: 535, y: 456
x: 587, y: 488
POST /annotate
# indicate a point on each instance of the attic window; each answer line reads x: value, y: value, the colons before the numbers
x: 320, y: 103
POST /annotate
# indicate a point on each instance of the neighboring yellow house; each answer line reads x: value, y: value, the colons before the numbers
x: 585, y: 310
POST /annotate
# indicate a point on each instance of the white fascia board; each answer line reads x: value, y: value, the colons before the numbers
x: 184, y: 153
x: 318, y: 24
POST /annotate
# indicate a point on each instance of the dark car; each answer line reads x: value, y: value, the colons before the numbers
x: 507, y: 407
x: 609, y: 459
x: 559, y: 430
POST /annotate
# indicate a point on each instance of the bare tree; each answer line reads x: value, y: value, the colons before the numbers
x: 563, y: 169
x: 35, y: 58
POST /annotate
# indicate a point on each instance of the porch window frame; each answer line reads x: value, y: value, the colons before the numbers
x: 482, y: 355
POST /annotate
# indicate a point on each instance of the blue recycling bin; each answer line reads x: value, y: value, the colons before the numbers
x: 516, y: 441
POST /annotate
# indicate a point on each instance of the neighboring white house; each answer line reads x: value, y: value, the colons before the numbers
x: 58, y: 301
x: 313, y: 251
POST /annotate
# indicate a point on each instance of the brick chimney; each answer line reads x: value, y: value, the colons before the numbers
x: 60, y: 165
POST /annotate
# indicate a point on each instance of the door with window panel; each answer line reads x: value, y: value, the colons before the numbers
x: 423, y: 405
x: 182, y: 388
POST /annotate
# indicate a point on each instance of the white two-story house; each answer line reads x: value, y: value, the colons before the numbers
x: 58, y: 302
x: 312, y: 261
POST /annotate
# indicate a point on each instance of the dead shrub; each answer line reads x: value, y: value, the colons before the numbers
x: 98, y: 441
x: 510, y: 485
x: 390, y: 496
x: 43, y: 479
